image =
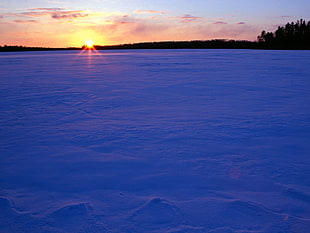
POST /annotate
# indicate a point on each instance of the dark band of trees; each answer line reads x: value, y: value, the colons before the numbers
x: 291, y: 36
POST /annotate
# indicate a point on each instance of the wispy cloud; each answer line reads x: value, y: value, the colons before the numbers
x: 11, y: 16
x: 47, y: 9
x: 25, y: 21
x: 241, y: 23
x: 220, y: 22
x: 56, y: 14
x: 61, y: 14
x: 187, y: 18
x: 120, y: 20
x: 69, y: 15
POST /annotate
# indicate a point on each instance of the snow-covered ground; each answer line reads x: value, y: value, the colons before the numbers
x: 155, y: 141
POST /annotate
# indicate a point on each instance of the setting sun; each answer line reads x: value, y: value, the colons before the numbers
x: 89, y: 44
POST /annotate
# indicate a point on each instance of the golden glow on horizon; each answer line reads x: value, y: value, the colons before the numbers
x: 81, y: 37
x: 89, y: 44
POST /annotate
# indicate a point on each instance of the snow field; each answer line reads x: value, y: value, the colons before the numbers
x: 155, y: 141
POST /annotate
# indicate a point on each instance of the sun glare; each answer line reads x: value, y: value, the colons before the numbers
x: 89, y: 44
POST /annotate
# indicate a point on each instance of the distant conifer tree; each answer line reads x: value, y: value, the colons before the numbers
x: 292, y: 35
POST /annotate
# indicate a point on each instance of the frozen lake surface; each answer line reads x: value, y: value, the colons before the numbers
x: 155, y: 141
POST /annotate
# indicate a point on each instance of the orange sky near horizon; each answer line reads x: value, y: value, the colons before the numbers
x: 71, y: 23
x: 72, y: 29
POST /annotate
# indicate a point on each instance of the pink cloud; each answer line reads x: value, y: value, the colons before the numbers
x: 121, y: 20
x: 68, y: 15
x: 56, y: 13
x: 220, y: 22
x: 25, y: 21
x: 187, y: 18
x: 241, y: 23
x: 10, y: 15
x: 47, y: 9
x: 36, y: 13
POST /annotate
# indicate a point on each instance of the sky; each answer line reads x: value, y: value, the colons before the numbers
x: 70, y: 23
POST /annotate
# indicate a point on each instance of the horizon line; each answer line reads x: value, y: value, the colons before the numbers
x: 131, y: 43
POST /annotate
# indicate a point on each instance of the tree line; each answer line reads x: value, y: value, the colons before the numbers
x: 18, y: 48
x: 195, y: 44
x: 294, y: 35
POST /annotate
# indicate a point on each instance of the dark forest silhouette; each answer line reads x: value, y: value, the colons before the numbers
x: 196, y: 44
x: 15, y: 48
x: 291, y: 36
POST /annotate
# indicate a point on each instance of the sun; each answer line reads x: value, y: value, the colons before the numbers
x: 89, y: 44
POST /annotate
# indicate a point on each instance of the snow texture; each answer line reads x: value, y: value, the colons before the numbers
x: 155, y: 141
